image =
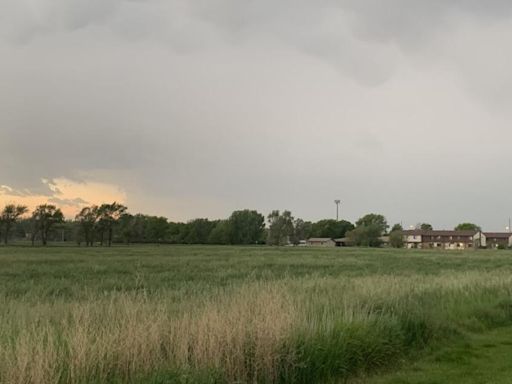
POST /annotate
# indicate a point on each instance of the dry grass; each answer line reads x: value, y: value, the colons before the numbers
x: 126, y: 336
x: 244, y: 335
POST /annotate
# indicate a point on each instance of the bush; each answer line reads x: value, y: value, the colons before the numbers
x: 396, y: 239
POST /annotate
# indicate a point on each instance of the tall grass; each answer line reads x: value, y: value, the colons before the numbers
x: 291, y: 330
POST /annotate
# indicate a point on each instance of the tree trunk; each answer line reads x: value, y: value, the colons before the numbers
x: 6, y: 234
x: 44, y: 236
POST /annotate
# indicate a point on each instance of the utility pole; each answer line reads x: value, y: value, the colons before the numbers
x: 337, y: 202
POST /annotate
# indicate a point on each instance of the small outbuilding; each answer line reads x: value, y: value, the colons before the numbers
x: 342, y: 242
x: 321, y: 242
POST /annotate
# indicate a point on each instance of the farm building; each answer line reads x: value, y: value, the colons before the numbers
x: 321, y: 242
x: 342, y: 242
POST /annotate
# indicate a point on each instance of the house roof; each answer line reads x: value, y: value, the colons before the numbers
x: 421, y: 232
x: 320, y: 239
x: 498, y: 235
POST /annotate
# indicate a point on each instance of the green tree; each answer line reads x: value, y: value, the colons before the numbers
x: 301, y: 231
x: 368, y: 231
x: 246, y: 227
x: 467, y: 227
x: 280, y: 227
x: 426, y: 227
x: 125, y: 229
x: 220, y: 234
x: 373, y: 219
x: 9, y: 216
x: 156, y: 229
x: 396, y: 239
x: 108, y: 217
x: 397, y: 227
x: 331, y: 228
x: 176, y: 232
x: 44, y: 217
x: 198, y: 231
x: 366, y: 235
x: 87, y: 219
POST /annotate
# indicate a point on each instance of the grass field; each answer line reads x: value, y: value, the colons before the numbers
x: 205, y: 314
x: 477, y: 359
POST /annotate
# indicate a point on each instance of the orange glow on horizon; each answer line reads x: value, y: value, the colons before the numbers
x: 70, y: 196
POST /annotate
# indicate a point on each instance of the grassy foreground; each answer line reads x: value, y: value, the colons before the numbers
x: 478, y: 359
x: 183, y: 314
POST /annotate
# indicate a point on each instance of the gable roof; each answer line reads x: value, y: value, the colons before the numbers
x: 320, y: 239
x: 498, y: 235
x: 421, y: 232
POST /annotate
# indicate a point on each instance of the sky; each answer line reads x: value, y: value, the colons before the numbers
x: 196, y: 108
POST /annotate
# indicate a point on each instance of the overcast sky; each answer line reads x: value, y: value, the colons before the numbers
x: 195, y: 108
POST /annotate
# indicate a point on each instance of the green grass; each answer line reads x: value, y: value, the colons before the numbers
x: 477, y: 359
x: 207, y: 314
x: 69, y: 272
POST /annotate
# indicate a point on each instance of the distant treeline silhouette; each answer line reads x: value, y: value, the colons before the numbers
x: 110, y: 223
x: 106, y: 224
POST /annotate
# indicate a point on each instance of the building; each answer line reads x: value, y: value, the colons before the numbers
x: 425, y: 239
x: 418, y: 238
x: 342, y: 242
x: 494, y: 239
x: 321, y: 242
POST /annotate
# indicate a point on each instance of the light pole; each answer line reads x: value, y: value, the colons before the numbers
x: 337, y: 202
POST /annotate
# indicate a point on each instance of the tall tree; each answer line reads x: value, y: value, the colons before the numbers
x: 44, y: 218
x: 280, y: 227
x: 366, y: 235
x: 156, y: 229
x: 368, y: 231
x: 87, y: 218
x: 426, y: 227
x: 198, y: 231
x: 373, y: 219
x: 331, y: 228
x: 397, y: 227
x: 467, y: 227
x: 10, y: 214
x: 176, y: 232
x: 301, y: 231
x: 220, y: 234
x: 109, y: 215
x: 246, y: 227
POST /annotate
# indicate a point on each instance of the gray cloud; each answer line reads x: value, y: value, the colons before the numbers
x: 200, y: 107
x: 76, y: 202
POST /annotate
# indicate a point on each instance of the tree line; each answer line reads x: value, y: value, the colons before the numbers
x: 106, y: 224
x: 110, y: 223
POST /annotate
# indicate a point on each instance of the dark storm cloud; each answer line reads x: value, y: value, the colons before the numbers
x: 200, y: 107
